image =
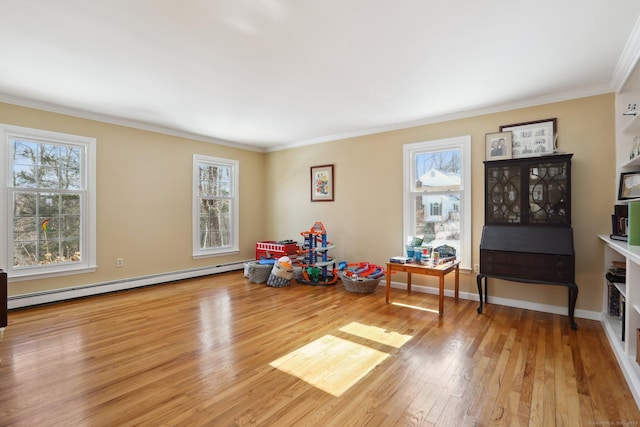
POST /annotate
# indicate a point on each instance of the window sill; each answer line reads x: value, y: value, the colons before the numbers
x: 23, y: 275
x: 215, y: 254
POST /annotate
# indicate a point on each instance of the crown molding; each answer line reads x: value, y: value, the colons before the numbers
x: 628, y: 60
x: 105, y: 118
x: 463, y: 114
x: 479, y: 111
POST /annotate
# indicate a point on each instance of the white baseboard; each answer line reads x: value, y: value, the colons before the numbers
x: 55, y: 295
x: 473, y: 296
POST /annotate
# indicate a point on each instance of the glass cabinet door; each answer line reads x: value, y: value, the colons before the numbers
x: 503, y: 205
x: 528, y: 191
x: 548, y: 198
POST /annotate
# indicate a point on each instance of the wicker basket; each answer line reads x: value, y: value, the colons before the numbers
x: 259, y: 273
x: 359, y: 285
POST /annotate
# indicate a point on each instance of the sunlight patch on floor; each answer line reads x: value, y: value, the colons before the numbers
x: 330, y: 363
x: 415, y: 307
x: 376, y: 334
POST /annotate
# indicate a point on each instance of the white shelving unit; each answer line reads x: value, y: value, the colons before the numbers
x: 627, y: 129
x: 633, y: 127
x: 633, y: 163
x: 625, y: 351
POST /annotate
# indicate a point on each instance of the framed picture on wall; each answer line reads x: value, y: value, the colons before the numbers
x: 322, y: 183
x: 498, y: 145
x: 532, y: 138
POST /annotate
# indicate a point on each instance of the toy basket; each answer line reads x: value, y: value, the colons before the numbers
x: 359, y: 285
x: 258, y: 273
x: 277, y: 282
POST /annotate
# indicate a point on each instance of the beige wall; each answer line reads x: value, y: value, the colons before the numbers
x: 144, y: 194
x: 144, y: 199
x: 365, y: 220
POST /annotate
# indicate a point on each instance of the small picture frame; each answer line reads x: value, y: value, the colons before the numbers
x: 629, y: 186
x: 531, y: 139
x: 322, y: 183
x: 498, y: 145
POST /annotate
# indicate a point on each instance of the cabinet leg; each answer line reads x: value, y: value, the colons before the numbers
x: 479, y: 281
x: 573, y: 297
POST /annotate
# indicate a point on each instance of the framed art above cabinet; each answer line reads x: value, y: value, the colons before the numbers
x: 529, y: 191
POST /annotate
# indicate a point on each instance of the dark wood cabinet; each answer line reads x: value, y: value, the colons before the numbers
x: 535, y: 267
x: 527, y: 235
x: 529, y: 191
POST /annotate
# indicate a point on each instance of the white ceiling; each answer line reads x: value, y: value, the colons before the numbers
x: 275, y: 73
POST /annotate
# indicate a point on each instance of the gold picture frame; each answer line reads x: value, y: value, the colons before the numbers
x: 322, y: 183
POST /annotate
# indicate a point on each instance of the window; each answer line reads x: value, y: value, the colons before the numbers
x: 48, y: 203
x: 437, y: 194
x: 215, y: 206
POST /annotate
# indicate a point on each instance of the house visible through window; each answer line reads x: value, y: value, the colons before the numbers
x: 215, y: 206
x: 49, y: 198
x: 437, y: 194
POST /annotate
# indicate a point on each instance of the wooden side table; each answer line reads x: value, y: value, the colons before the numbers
x: 438, y: 270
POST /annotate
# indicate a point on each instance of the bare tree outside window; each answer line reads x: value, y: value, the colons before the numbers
x: 215, y: 205
x: 47, y: 198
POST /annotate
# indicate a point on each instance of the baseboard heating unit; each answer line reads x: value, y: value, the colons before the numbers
x: 55, y: 295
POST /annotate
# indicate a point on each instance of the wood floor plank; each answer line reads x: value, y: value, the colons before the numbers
x: 202, y: 352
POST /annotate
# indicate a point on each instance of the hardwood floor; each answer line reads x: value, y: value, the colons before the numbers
x: 222, y: 351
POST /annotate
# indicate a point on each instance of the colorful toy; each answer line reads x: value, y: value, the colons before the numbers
x: 281, y: 273
x: 314, y: 259
x: 362, y: 269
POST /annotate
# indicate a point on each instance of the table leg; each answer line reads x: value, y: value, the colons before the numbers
x: 441, y: 296
x: 457, y: 282
x: 409, y: 282
x: 388, y: 285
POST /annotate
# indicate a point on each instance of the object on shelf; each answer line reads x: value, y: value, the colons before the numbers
x: 634, y: 223
x: 400, y: 260
x: 631, y: 110
x: 638, y: 346
x: 620, y: 223
x: 614, y: 299
x: 619, y: 268
x: 614, y: 277
x: 635, y: 148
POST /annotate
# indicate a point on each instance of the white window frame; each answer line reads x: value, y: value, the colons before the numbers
x: 234, y: 245
x: 87, y: 261
x: 462, y: 143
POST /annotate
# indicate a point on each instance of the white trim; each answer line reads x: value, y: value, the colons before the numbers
x: 134, y: 124
x: 628, y: 59
x: 234, y: 246
x: 464, y: 144
x: 630, y: 369
x: 473, y: 296
x: 88, y: 231
x: 55, y: 295
x: 453, y: 115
